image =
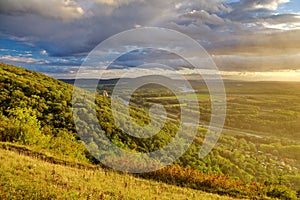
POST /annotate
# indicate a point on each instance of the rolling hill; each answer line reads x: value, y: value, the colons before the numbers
x: 36, y: 120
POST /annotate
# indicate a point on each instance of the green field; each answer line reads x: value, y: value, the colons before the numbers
x: 182, y: 96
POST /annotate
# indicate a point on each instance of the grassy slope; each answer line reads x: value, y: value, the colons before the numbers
x: 24, y: 177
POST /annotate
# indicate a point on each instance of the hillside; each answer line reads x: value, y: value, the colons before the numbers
x: 36, y: 113
x: 36, y: 110
x: 24, y: 177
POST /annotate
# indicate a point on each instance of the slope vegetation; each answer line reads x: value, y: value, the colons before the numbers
x: 36, y: 114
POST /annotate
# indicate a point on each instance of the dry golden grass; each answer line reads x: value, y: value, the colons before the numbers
x: 25, y: 177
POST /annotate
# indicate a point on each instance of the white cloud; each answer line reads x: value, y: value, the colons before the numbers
x: 44, y: 52
x: 205, y: 17
x: 284, y: 26
x: 21, y: 59
x: 269, y: 4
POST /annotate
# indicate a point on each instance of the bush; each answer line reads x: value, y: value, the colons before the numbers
x: 281, y: 192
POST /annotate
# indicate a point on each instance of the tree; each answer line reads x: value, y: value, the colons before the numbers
x: 24, y: 127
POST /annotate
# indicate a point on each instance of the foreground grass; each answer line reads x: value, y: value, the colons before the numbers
x: 24, y: 177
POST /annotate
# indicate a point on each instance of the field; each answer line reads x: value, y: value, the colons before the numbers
x: 261, y: 137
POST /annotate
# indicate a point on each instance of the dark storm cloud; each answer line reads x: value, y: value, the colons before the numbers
x: 75, y: 27
x: 86, y: 23
x: 71, y: 36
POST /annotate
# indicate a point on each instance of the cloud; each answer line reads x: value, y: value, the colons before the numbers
x: 257, y: 63
x: 114, y: 2
x: 21, y: 59
x: 266, y: 4
x: 64, y: 38
x: 249, y: 11
x: 254, y: 5
x: 281, y: 22
x: 210, y: 22
x: 212, y: 6
x: 265, y: 42
x: 281, y: 75
x: 242, y: 34
x: 66, y: 10
x: 44, y: 52
x: 205, y: 17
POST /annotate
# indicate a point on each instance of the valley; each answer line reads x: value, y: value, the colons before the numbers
x: 256, y: 156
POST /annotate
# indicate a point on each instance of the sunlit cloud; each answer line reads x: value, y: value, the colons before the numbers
x: 270, y: 5
x: 66, y: 10
x: 284, y: 75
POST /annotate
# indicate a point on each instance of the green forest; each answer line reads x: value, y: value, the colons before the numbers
x: 256, y: 157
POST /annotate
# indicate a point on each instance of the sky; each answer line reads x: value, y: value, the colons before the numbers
x: 247, y: 39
